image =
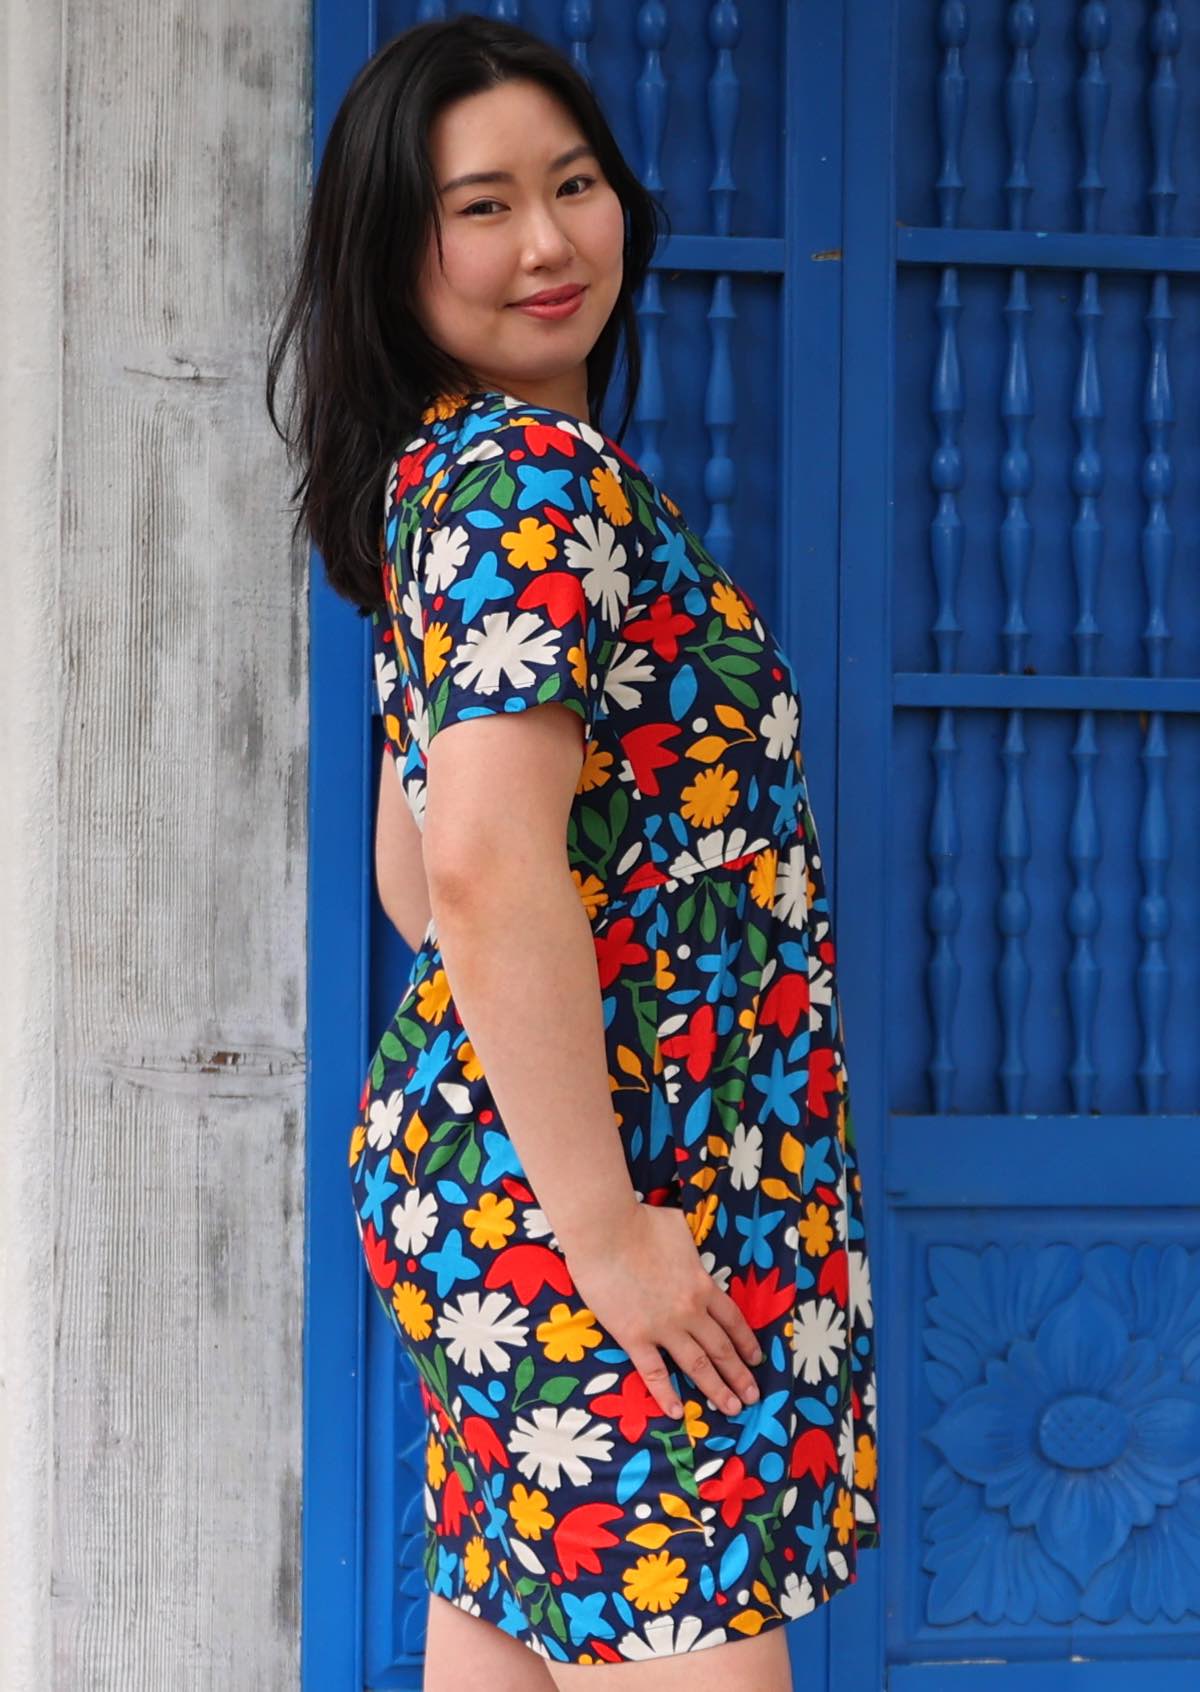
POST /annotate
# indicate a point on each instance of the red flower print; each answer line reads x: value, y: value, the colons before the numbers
x: 645, y: 747
x: 410, y: 469
x: 698, y: 1043
x: 581, y: 1533
x: 543, y: 438
x: 661, y: 629
x: 454, y: 1503
x: 761, y: 1302
x: 821, y: 1079
x: 785, y: 1002
x: 560, y: 592
x: 734, y: 1488
x: 615, y: 951
x: 479, y: 1435
x: 835, y: 1277
x: 527, y: 1268
x: 630, y: 1407
x: 383, y: 1268
x: 815, y: 1454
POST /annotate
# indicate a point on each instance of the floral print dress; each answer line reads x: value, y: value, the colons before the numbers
x: 526, y: 559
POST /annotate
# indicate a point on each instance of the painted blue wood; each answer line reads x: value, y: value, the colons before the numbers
x: 337, y: 987
x: 1019, y: 663
x: 751, y: 277
x: 971, y: 504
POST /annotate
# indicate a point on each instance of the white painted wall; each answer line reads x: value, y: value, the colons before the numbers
x: 154, y: 166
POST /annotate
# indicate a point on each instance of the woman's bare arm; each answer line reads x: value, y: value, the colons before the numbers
x: 517, y: 947
x: 399, y: 862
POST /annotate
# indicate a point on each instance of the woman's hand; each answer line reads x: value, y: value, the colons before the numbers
x: 648, y: 1287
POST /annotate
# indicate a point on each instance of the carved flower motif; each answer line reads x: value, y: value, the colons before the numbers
x: 1070, y: 1431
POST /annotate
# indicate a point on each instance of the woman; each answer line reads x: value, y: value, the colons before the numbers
x: 603, y: 1169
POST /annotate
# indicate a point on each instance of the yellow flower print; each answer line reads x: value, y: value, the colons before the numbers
x: 597, y: 765
x: 764, y: 873
x: 843, y: 1515
x: 656, y: 1581
x: 670, y: 504
x: 694, y: 1425
x: 815, y: 1230
x: 729, y: 603
x: 568, y: 1334
x: 477, y: 1563
x: 443, y: 406
x: 710, y: 798
x: 529, y: 1512
x: 578, y: 658
x: 664, y: 977
x: 433, y: 996
x: 471, y: 1067
x: 491, y: 1222
x: 701, y: 1219
x: 435, y: 648
x: 610, y: 495
x: 866, y: 1462
x: 357, y: 1141
x: 413, y: 1310
x: 435, y: 1462
x: 530, y: 546
x: 591, y: 892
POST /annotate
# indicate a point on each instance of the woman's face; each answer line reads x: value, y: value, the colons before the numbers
x: 542, y: 221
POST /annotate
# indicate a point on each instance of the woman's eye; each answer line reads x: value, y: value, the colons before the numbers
x: 486, y: 205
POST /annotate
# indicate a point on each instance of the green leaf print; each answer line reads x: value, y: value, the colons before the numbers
x: 756, y: 941
x: 412, y: 1032
x: 596, y: 829
x: 558, y: 1388
x: 377, y: 1069
x: 470, y: 1159
x: 503, y: 489
x: 708, y: 919
x: 469, y: 488
x: 525, y: 1586
x: 463, y: 1471
x: 555, y: 1617
x: 524, y: 1373
x: 393, y: 1048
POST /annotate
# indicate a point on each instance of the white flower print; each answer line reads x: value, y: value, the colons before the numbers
x: 383, y: 1120
x: 846, y: 1446
x: 861, y: 1308
x: 781, y: 725
x: 386, y: 671
x: 600, y: 558
x: 476, y: 1328
x: 796, y: 1598
x: 414, y: 1221
x: 666, y: 1636
x: 713, y: 849
x: 745, y: 1155
x: 507, y: 648
x: 556, y: 1442
x: 818, y: 1336
x: 791, y: 887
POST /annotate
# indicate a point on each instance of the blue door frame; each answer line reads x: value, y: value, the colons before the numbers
x: 346, y: 1608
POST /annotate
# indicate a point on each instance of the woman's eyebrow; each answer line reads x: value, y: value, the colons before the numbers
x: 479, y: 176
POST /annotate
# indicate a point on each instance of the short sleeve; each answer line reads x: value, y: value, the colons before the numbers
x: 524, y: 566
x: 389, y: 688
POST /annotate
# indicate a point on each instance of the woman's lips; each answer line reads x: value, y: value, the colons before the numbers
x: 552, y: 310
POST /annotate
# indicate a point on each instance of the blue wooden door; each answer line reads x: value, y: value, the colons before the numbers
x: 1019, y: 824
x: 912, y: 351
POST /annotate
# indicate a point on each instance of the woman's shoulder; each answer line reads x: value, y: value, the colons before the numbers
x: 541, y: 448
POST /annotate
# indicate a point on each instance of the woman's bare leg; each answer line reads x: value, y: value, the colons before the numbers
x: 465, y: 1653
x: 751, y: 1665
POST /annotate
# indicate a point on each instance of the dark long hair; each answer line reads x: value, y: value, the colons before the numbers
x: 365, y: 370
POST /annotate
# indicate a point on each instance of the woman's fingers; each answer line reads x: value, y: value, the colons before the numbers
x: 740, y: 1331
x: 648, y: 1361
x: 721, y: 1369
